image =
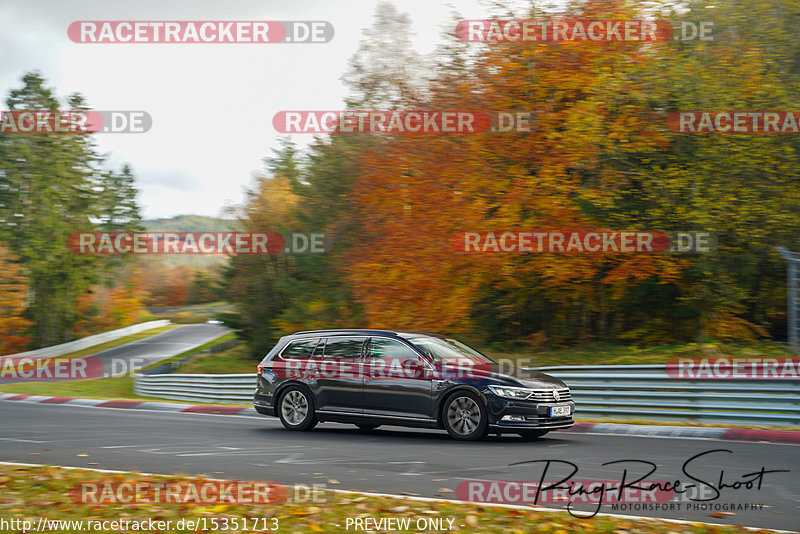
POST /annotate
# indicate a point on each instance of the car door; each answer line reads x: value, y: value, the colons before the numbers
x: 397, y: 381
x: 338, y: 383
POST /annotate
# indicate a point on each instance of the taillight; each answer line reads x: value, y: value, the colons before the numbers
x: 260, y: 368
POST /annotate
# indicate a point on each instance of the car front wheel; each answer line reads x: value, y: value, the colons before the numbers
x: 296, y: 409
x: 465, y: 417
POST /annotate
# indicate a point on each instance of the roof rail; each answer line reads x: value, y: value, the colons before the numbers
x: 341, y: 330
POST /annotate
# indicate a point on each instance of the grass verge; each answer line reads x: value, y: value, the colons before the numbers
x: 631, y: 355
x: 239, y: 359
x: 200, y: 348
x: 29, y: 493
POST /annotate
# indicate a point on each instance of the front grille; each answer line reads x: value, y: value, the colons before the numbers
x: 549, y: 395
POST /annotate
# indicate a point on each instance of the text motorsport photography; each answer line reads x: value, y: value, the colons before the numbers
x: 633, y: 490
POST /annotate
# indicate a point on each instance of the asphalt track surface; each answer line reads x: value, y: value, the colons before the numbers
x: 133, y: 356
x: 391, y: 459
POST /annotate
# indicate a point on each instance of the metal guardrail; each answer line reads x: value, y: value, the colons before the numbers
x: 644, y: 392
x: 89, y: 341
x: 648, y: 392
x: 201, y: 388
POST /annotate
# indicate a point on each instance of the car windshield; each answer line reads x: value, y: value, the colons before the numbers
x: 448, y: 350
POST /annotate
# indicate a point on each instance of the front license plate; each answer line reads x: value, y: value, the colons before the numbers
x: 558, y: 411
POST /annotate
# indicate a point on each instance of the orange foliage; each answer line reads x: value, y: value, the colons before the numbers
x: 167, y: 285
x: 106, y: 308
x: 725, y: 326
x: 416, y: 191
x: 13, y: 292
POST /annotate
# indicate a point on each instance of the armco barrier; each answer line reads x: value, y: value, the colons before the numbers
x: 198, y: 388
x: 89, y: 341
x: 648, y: 392
x: 643, y: 392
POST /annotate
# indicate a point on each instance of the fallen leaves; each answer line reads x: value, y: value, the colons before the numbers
x: 26, y: 491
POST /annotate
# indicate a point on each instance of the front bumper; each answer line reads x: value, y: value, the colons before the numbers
x: 536, y: 415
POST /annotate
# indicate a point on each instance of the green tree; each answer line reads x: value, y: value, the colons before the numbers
x: 52, y: 185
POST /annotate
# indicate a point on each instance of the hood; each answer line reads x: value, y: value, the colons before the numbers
x: 502, y: 375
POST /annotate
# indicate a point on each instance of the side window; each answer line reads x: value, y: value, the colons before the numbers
x: 385, y: 348
x: 320, y: 347
x: 338, y: 348
x: 299, y: 350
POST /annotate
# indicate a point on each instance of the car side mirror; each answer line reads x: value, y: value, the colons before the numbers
x: 415, y: 369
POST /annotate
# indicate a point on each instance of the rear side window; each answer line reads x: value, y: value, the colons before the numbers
x: 344, y: 347
x: 299, y: 350
x: 389, y: 348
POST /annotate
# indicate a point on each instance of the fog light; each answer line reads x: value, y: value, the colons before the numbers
x: 513, y: 418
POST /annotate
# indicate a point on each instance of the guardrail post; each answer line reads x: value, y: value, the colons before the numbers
x: 792, y: 299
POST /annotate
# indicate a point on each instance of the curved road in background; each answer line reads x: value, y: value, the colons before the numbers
x: 138, y: 354
x: 388, y: 460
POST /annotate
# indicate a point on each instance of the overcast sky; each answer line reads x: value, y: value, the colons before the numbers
x: 211, y: 104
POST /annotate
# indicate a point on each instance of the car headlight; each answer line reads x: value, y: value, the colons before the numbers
x: 510, y: 392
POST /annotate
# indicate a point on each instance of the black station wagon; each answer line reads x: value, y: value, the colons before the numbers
x: 420, y: 379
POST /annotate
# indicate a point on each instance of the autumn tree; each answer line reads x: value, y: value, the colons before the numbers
x: 52, y: 185
x: 114, y: 304
x: 745, y: 188
x: 13, y: 295
x: 600, y: 157
x: 256, y: 283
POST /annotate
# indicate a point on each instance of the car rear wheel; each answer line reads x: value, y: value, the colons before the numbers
x: 465, y: 417
x: 533, y: 434
x: 296, y: 409
x: 367, y: 426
